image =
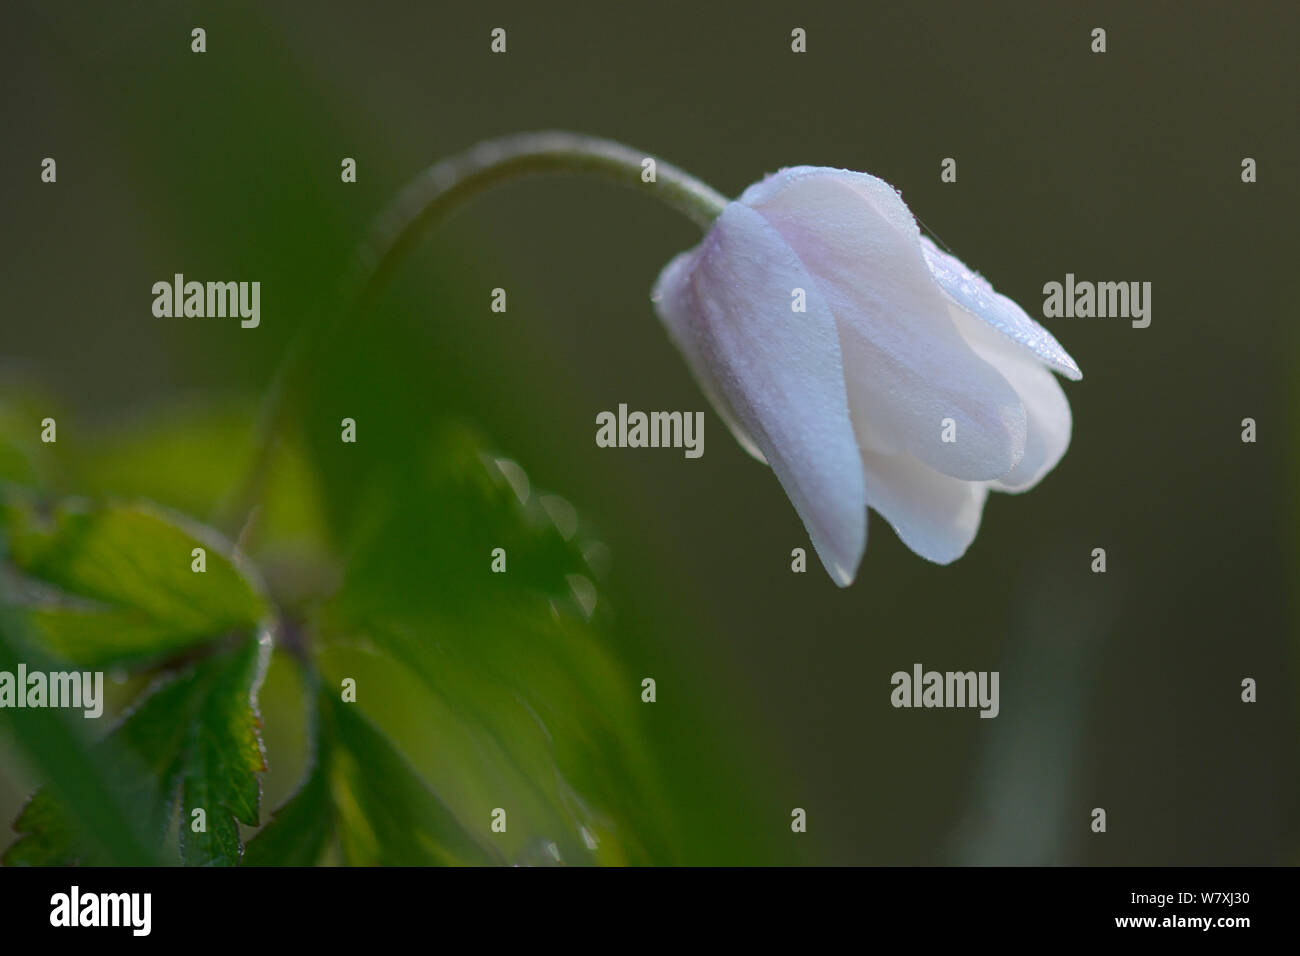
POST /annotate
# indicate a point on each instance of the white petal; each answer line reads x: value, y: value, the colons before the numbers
x: 973, y: 293
x: 1050, y: 422
x: 934, y: 515
x: 907, y: 368
x: 673, y: 275
x: 1050, y: 425
x: 779, y: 372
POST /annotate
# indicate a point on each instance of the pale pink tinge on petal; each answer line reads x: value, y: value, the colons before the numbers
x: 1050, y: 421
x: 674, y: 275
x: 848, y: 400
x: 779, y: 372
x: 934, y: 515
x: 972, y: 292
x: 907, y: 368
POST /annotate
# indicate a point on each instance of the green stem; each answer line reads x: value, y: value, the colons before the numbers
x: 430, y: 197
x: 444, y: 186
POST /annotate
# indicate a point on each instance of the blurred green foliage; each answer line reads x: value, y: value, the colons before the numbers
x: 484, y: 690
x: 475, y: 690
x: 106, y: 588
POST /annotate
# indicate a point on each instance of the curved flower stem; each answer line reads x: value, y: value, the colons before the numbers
x: 447, y: 184
x: 430, y: 197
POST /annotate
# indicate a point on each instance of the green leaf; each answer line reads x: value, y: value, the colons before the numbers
x: 48, y: 836
x: 192, y: 742
x: 300, y: 831
x: 387, y: 815
x: 113, y: 584
x: 55, y: 744
x: 506, y: 690
x: 153, y: 455
x: 220, y: 762
x: 361, y: 792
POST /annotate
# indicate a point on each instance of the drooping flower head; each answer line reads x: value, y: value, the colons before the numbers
x: 905, y: 384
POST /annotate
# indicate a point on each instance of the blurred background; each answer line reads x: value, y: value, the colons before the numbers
x: 1119, y: 690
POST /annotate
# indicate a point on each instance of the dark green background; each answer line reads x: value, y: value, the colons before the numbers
x: 1118, y: 690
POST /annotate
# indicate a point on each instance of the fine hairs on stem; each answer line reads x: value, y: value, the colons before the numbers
x: 444, y: 186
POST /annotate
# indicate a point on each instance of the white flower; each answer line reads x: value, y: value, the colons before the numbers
x: 848, y: 400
